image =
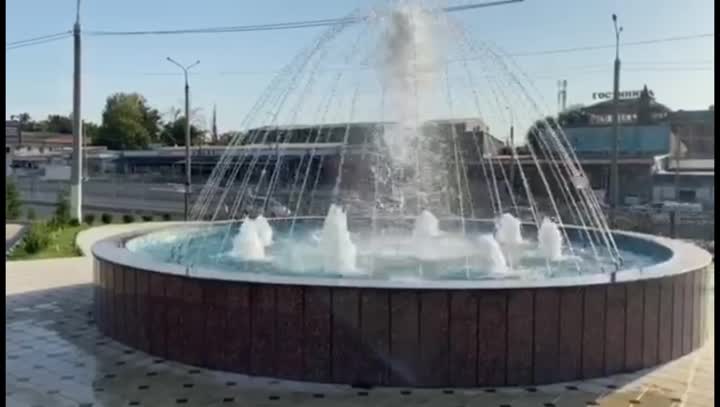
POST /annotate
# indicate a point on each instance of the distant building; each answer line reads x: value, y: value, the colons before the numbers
x: 684, y: 180
x: 696, y: 131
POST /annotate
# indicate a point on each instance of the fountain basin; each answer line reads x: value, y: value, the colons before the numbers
x: 444, y: 333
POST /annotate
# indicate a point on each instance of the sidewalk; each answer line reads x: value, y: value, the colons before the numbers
x: 56, y: 357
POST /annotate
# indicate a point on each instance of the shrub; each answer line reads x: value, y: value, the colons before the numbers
x: 37, y: 238
x: 147, y: 218
x: 74, y: 222
x: 89, y: 219
x: 12, y: 200
x: 30, y: 214
x: 128, y: 218
x: 62, y: 210
x: 166, y: 217
x: 106, y: 218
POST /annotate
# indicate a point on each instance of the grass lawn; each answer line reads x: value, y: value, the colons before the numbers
x: 62, y: 244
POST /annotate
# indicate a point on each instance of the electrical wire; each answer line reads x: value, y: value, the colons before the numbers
x: 281, y: 26
x: 37, y: 41
x: 624, y: 44
x: 42, y: 37
x: 216, y: 30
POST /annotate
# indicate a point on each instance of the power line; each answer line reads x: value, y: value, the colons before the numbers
x: 282, y: 26
x: 42, y: 37
x: 37, y: 41
x: 216, y: 30
x: 626, y: 44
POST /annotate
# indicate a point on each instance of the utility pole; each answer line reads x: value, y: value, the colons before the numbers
x: 188, y: 167
x: 77, y: 161
x: 614, y: 173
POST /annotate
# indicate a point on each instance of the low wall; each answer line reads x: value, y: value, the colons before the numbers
x: 404, y: 337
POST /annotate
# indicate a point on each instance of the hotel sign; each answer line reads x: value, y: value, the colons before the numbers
x: 627, y: 94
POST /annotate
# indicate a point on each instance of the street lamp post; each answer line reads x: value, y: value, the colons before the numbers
x: 77, y: 154
x: 614, y: 175
x: 188, y: 167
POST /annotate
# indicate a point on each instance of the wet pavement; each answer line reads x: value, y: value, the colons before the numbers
x: 56, y: 357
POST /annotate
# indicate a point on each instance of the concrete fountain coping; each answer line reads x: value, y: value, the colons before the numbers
x: 685, y: 257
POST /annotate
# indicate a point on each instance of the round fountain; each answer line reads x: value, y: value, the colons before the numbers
x: 410, y: 251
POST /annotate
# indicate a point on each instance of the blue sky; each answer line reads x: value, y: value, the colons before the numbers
x: 236, y: 67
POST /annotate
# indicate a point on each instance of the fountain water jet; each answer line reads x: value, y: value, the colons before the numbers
x: 509, y: 230
x: 490, y: 251
x: 338, y: 251
x: 248, y: 244
x: 426, y: 226
x: 550, y: 240
x: 264, y: 230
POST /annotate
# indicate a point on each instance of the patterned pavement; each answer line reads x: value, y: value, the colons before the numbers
x: 56, y: 357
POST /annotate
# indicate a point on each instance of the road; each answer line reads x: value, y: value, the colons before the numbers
x: 116, y: 196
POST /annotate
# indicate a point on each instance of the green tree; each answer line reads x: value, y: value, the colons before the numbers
x: 173, y: 133
x: 91, y: 132
x: 12, y: 200
x: 56, y: 123
x: 128, y: 123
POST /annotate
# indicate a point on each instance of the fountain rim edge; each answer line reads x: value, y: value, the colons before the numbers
x: 686, y: 257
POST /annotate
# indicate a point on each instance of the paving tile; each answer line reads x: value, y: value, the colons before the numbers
x: 55, y: 358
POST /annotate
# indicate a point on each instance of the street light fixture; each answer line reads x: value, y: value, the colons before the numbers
x: 188, y: 167
x: 614, y: 172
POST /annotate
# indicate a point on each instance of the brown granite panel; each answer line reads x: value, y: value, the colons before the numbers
x: 634, y: 326
x: 651, y: 323
x: 703, y: 304
x: 665, y: 320
x: 129, y: 297
x: 696, y: 308
x: 570, y: 344
x: 434, y: 341
x: 346, y: 335
x: 375, y: 331
x: 157, y: 327
x: 688, y: 299
x: 101, y: 318
x: 216, y: 332
x: 678, y: 304
x: 593, y: 361
x: 404, y: 338
x: 96, y: 291
x: 463, y: 339
x: 492, y: 338
x: 119, y: 312
x: 142, y: 302
x: 238, y: 312
x: 520, y: 337
x: 547, y: 330
x: 110, y: 300
x: 193, y: 325
x: 615, y: 329
x: 289, y: 354
x: 263, y: 335
x: 175, y: 317
x: 317, y: 336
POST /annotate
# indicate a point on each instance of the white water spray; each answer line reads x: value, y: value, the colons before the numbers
x: 338, y: 251
x: 489, y: 250
x: 426, y: 226
x: 550, y: 240
x: 248, y: 245
x: 264, y: 230
x: 509, y: 230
